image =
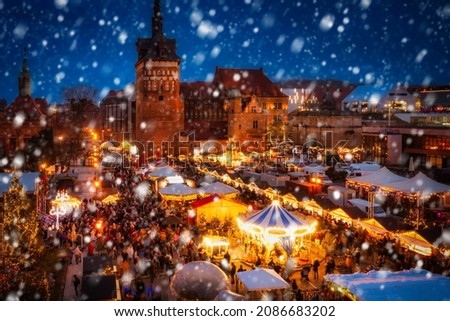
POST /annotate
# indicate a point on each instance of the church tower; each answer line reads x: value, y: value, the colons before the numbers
x: 159, y: 108
x: 24, y: 78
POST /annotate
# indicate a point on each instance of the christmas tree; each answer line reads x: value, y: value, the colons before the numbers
x: 20, y: 244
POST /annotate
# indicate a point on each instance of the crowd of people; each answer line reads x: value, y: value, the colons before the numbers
x: 134, y: 234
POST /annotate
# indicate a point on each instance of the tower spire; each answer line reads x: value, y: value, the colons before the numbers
x: 157, y: 21
x: 24, y: 77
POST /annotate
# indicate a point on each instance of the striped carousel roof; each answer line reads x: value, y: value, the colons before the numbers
x: 275, y: 216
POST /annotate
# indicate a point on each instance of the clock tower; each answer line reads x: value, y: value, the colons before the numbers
x: 159, y: 108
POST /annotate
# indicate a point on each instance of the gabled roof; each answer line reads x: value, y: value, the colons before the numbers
x: 378, y: 178
x: 248, y: 81
x: 392, y: 223
x: 218, y: 188
x: 28, y: 105
x: 435, y: 235
x: 420, y: 183
x: 197, y: 89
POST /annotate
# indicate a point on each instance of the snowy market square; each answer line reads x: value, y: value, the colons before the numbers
x: 232, y: 150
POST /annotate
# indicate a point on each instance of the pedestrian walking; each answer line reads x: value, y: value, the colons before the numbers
x: 77, y: 252
x: 232, y: 272
x: 316, y: 265
x: 76, y: 282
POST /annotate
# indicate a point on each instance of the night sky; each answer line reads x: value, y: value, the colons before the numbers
x: 93, y: 42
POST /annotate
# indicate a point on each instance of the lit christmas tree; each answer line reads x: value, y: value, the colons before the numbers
x: 21, y: 247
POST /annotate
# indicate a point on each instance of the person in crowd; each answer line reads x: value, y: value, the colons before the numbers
x: 77, y: 253
x: 316, y: 265
x: 232, y: 272
x: 76, y: 283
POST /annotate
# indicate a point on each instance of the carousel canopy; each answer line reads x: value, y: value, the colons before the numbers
x: 412, y: 285
x: 276, y: 221
x: 261, y: 279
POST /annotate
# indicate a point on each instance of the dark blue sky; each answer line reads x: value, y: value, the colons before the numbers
x: 73, y: 41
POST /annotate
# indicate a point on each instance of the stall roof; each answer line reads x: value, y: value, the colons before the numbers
x: 261, y: 279
x: 96, y: 264
x: 411, y: 285
x: 380, y: 177
x: 99, y: 287
x: 419, y: 183
x: 218, y: 188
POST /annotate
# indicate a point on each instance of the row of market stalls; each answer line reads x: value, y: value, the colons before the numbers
x: 384, y: 181
x: 425, y: 241
x: 417, y: 189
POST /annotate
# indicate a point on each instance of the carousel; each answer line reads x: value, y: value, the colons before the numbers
x: 276, y: 229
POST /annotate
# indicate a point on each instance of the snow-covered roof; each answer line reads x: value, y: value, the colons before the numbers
x: 261, y: 279
x: 412, y: 285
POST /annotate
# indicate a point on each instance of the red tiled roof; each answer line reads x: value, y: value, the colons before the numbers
x: 197, y: 89
x: 247, y: 81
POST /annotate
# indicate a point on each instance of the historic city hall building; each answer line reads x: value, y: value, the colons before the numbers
x: 172, y: 118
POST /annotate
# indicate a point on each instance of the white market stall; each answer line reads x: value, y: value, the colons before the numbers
x: 420, y: 183
x: 220, y: 189
x: 178, y: 192
x: 261, y: 280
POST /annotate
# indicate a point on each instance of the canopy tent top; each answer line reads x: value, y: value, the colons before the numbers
x: 261, y: 279
x: 276, y: 221
x: 178, y: 192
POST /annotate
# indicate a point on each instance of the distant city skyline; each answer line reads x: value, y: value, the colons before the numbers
x: 360, y: 41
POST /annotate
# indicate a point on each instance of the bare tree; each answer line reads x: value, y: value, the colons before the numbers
x: 80, y: 99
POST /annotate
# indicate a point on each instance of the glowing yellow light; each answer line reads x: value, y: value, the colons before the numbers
x: 98, y: 225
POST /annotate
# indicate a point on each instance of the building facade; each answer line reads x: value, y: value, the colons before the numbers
x: 24, y: 119
x: 159, y: 107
